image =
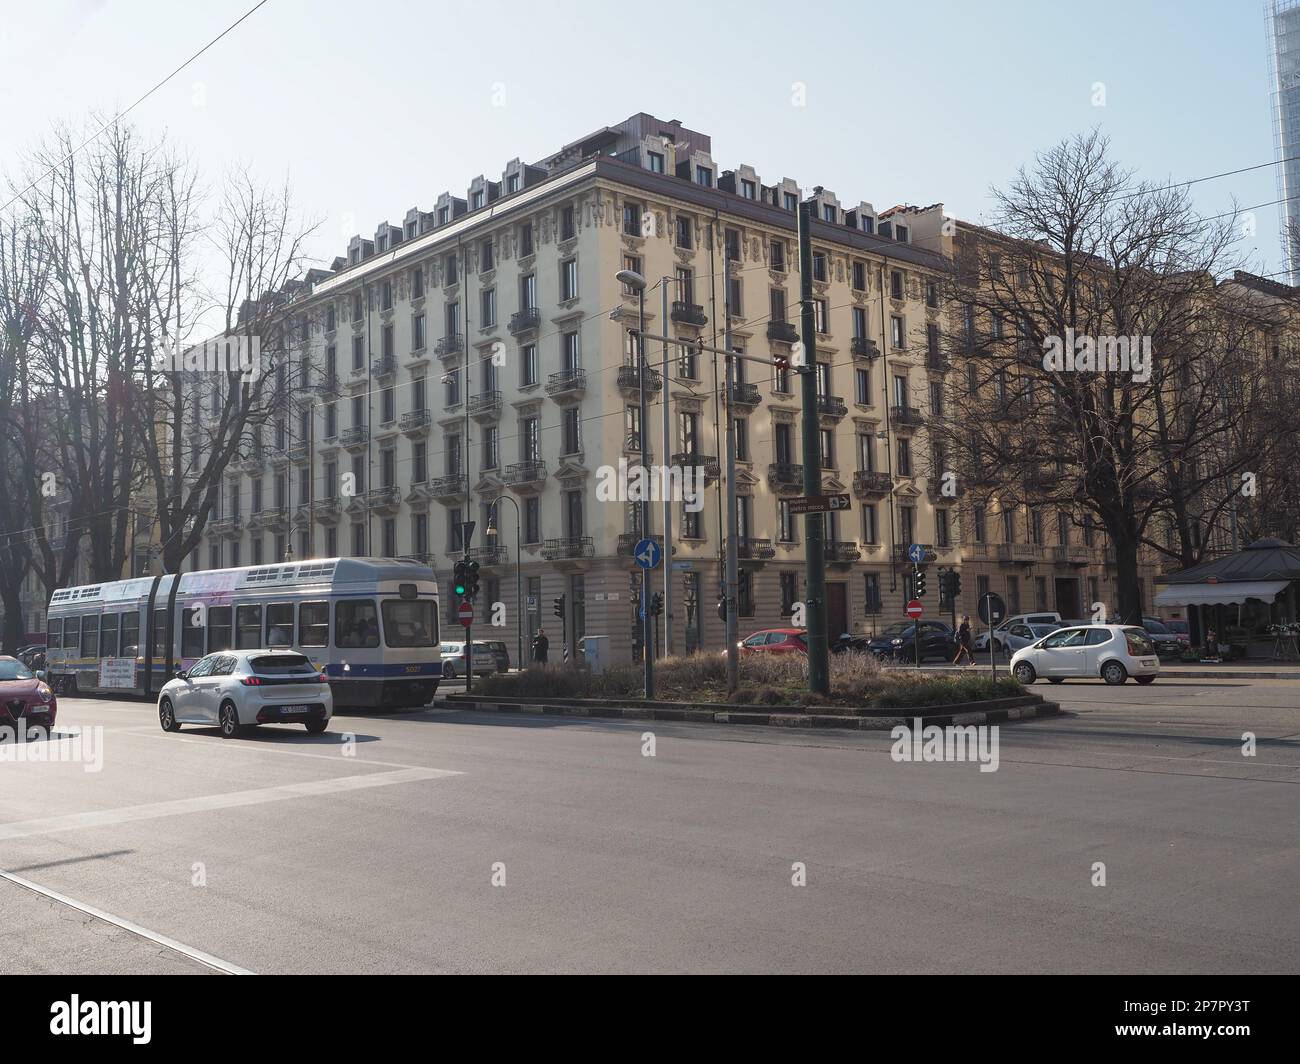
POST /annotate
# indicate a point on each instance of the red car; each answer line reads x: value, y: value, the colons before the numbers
x: 775, y: 641
x: 25, y: 701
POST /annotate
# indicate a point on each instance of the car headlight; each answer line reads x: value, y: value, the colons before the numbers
x: 45, y: 694
x: 896, y: 642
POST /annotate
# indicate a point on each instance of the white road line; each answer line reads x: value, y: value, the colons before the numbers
x: 178, y: 807
x: 215, y: 963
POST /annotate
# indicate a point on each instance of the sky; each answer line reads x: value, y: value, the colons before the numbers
x: 371, y: 108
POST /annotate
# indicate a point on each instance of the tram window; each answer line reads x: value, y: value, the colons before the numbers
x: 218, y: 628
x: 130, y: 635
x: 248, y: 621
x: 279, y: 624
x: 161, y: 642
x: 314, y: 624
x: 72, y: 635
x: 90, y: 637
x: 108, y: 636
x: 191, y: 633
x: 356, y: 624
x: 54, y: 634
x: 409, y: 624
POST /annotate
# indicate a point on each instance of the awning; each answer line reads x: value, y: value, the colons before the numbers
x: 1218, y: 594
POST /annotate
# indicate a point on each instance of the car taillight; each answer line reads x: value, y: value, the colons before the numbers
x: 251, y: 681
x: 324, y: 678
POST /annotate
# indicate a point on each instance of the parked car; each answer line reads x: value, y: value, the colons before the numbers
x: 25, y: 699
x: 775, y: 641
x: 899, y: 641
x: 500, y: 653
x: 1000, y: 641
x: 454, y: 664
x: 1019, y: 636
x: 1112, y: 651
x: 1165, y: 639
x: 237, y: 689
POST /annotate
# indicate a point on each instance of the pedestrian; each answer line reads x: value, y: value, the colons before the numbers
x: 964, y: 643
x: 540, y: 646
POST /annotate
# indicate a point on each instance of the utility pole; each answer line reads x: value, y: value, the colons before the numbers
x: 732, y: 545
x: 663, y: 464
x: 819, y: 680
x: 647, y: 618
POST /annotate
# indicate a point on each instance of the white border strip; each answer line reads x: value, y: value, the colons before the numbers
x: 216, y: 963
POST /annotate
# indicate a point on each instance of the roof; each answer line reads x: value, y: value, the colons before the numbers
x: 1264, y: 560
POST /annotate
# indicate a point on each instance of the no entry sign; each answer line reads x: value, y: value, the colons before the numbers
x: 465, y: 613
x: 914, y: 609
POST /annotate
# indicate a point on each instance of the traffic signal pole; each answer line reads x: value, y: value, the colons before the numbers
x: 819, y: 680
x: 732, y: 544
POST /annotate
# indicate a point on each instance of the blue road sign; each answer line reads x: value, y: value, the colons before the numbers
x: 916, y: 554
x: 648, y: 554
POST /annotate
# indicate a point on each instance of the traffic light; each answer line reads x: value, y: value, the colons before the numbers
x: 918, y: 588
x: 954, y: 585
x: 471, y: 579
x: 558, y: 609
x: 909, y: 585
x: 722, y: 608
x: 781, y: 362
x: 657, y: 603
x: 460, y: 580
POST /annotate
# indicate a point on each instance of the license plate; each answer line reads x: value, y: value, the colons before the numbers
x: 1147, y: 663
x: 295, y: 709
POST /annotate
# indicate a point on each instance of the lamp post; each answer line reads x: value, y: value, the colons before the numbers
x: 636, y: 282
x: 519, y: 578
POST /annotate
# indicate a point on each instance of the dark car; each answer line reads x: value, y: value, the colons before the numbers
x: 1165, y: 640
x: 500, y: 653
x: 24, y: 699
x: 899, y: 641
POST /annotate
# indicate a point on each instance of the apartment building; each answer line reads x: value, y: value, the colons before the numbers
x: 476, y: 363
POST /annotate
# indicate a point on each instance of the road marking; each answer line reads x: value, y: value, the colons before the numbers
x: 234, y: 799
x: 207, y: 959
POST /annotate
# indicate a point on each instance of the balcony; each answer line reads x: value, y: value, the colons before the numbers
x: 499, y: 555
x: 526, y: 476
x: 254, y: 462
x: 356, y: 439
x: 749, y: 549
x: 451, y: 486
x: 326, y: 511
x: 486, y: 406
x: 567, y: 384
x: 1019, y: 553
x: 1071, y: 555
x: 300, y: 452
x: 684, y: 313
x: 831, y: 406
x: 449, y: 345
x: 522, y: 321
x: 1041, y: 482
x: 567, y: 548
x: 785, y: 477
x: 867, y: 482
x: 227, y: 527
x: 330, y: 387
x: 278, y: 457
x: 862, y: 348
x: 936, y: 363
x: 712, y: 470
x: 415, y: 423
x: 743, y: 394
x: 782, y: 332
x: 627, y: 542
x: 383, y: 367
x: 906, y: 417
x: 272, y: 518
x: 629, y: 381
x: 385, y: 500
x: 842, y: 553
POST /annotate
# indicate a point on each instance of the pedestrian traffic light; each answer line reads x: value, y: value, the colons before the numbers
x: 460, y: 580
x: 471, y: 579
x: 781, y: 362
x: 918, y: 588
x: 657, y: 603
x: 559, y: 607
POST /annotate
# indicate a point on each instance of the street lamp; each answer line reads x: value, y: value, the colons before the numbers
x: 634, y: 281
x: 492, y: 533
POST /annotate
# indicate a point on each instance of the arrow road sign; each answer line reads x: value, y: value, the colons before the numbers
x: 648, y: 554
x: 916, y: 554
x: 820, y: 504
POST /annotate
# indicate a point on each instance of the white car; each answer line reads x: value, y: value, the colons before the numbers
x: 1000, y: 640
x: 1112, y: 651
x: 235, y: 689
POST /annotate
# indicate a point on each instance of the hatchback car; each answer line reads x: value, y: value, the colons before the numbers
x: 25, y: 699
x: 454, y: 664
x: 1112, y: 651
x: 1000, y: 633
x: 776, y: 641
x: 237, y: 689
x: 500, y: 653
x: 899, y: 641
x: 1164, y: 637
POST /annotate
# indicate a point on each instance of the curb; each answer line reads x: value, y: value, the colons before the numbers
x: 998, y: 712
x: 1172, y: 674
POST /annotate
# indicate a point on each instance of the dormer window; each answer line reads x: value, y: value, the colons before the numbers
x: 476, y: 200
x: 444, y: 215
x: 383, y: 241
x: 902, y: 234
x: 748, y: 188
x: 656, y: 161
x: 790, y: 201
x: 704, y: 176
x: 410, y: 230
x: 829, y: 213
x: 512, y: 183
x: 868, y: 224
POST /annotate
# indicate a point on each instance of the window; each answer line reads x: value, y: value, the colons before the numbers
x: 748, y: 189
x: 356, y: 624
x: 491, y: 451
x: 248, y: 627
x: 656, y: 161
x: 279, y: 624
x: 822, y: 316
x: 778, y: 256
x: 526, y: 239
x: 819, y: 265
x: 108, y: 636
x: 870, y: 528
x: 941, y: 530
x: 451, y: 271
x: 897, y: 333
x: 904, y: 457
x: 895, y: 284
x: 907, y: 524
x: 936, y: 397
x: 684, y: 232
x: 859, y: 276
x: 862, y: 387
x: 568, y: 229
x: 191, y: 633
x: 704, y: 176
x: 417, y: 282
x: 790, y: 201
x: 417, y: 332
x: 785, y: 527
x: 487, y: 257
x: 571, y: 438
x: 528, y: 365
x: 331, y: 420
x: 828, y: 448
x: 488, y: 307
x: 90, y: 637
x: 789, y: 592
x: 731, y: 241
x: 388, y: 404
x: 410, y: 623
x: 532, y: 519
x: 569, y: 279
x: 741, y: 427
x: 386, y: 295
x: 632, y: 219
x: 1009, y: 528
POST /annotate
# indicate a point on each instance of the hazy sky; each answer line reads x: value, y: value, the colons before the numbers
x: 374, y: 107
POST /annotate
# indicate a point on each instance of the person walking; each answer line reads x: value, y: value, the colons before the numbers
x: 964, y: 643
x: 541, y: 645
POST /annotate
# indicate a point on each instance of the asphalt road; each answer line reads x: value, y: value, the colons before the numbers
x: 373, y: 848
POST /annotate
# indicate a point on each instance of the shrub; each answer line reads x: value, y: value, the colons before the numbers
x: 743, y: 696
